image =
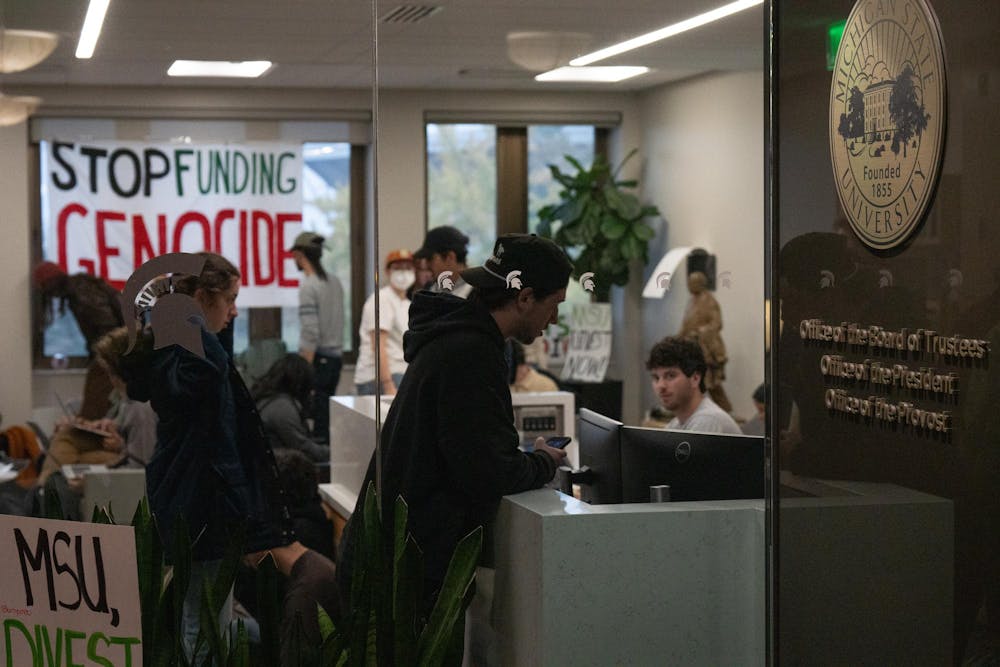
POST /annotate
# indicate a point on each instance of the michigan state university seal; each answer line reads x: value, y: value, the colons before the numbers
x: 887, y: 118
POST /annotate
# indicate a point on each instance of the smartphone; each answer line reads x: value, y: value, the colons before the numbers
x: 558, y: 441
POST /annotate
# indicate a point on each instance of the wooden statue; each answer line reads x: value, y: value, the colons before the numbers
x: 703, y: 322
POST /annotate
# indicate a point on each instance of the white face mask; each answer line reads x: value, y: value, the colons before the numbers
x: 402, y: 279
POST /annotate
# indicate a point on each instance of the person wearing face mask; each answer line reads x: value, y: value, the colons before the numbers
x: 393, y: 321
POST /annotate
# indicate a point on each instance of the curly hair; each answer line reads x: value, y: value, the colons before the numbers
x: 682, y: 353
x: 110, y: 348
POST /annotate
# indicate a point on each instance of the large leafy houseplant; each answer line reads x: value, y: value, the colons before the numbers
x: 598, y: 223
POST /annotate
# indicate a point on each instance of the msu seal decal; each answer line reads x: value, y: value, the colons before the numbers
x: 887, y: 118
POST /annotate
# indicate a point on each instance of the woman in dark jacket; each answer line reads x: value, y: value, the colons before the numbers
x: 211, y: 466
x: 282, y: 396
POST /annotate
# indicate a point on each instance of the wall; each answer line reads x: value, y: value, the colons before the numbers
x: 15, y: 362
x: 401, y: 164
x: 703, y: 166
x: 401, y: 174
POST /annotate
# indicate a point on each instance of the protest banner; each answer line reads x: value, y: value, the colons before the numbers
x: 107, y: 207
x: 589, y: 350
x: 70, y: 596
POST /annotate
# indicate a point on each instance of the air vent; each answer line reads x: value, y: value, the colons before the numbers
x: 409, y: 13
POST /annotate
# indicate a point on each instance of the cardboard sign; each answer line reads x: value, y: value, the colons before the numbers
x: 69, y: 594
x: 107, y: 207
x: 589, y: 350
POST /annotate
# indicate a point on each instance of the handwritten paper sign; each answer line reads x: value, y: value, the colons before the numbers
x: 69, y: 595
x: 589, y: 349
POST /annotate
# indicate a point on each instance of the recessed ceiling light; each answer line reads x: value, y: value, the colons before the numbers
x: 594, y: 74
x: 667, y: 31
x: 91, y: 30
x: 248, y: 69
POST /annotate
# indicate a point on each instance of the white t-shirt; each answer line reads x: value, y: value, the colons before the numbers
x: 394, y: 317
x: 708, y: 417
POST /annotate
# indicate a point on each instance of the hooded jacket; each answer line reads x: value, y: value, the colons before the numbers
x: 449, y: 445
x: 211, y: 465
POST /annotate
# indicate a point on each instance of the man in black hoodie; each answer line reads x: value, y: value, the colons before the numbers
x: 449, y: 445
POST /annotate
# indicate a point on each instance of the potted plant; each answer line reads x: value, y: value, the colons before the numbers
x: 598, y: 223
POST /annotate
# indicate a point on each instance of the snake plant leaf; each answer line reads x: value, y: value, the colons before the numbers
x: 434, y: 640
x: 180, y: 577
x: 239, y: 654
x: 228, y: 568
x: 326, y: 626
x: 102, y: 515
x: 268, y: 585
x: 51, y: 503
x: 149, y: 562
x: 409, y: 594
x: 208, y: 627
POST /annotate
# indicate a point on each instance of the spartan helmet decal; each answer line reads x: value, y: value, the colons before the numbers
x: 445, y: 282
x: 587, y: 281
x: 174, y: 318
x: 513, y: 281
x: 826, y: 279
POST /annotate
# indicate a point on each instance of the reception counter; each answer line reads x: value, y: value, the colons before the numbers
x: 686, y: 583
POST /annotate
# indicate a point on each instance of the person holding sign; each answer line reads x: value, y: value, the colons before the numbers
x: 677, y: 368
x: 211, y: 468
x: 321, y: 322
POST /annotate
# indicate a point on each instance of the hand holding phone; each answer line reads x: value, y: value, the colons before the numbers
x: 558, y: 441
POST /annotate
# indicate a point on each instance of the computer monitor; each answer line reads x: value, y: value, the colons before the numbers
x: 697, y: 466
x: 600, y: 450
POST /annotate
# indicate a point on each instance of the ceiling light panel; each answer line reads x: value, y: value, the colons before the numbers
x: 592, y: 74
x: 665, y: 32
x: 91, y: 30
x: 248, y: 69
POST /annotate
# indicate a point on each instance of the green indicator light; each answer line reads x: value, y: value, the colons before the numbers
x: 834, y: 32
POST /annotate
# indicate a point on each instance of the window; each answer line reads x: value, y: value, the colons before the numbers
x: 549, y: 144
x: 332, y: 205
x: 471, y: 166
x: 462, y: 183
x: 464, y: 180
x: 326, y: 210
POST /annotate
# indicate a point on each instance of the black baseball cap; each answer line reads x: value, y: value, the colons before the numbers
x: 522, y: 260
x: 442, y: 239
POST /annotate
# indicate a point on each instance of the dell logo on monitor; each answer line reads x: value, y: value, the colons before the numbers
x: 683, y: 452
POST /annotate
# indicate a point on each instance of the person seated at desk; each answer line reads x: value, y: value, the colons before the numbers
x: 526, y: 379
x: 282, y: 396
x: 677, y: 368
x: 125, y: 435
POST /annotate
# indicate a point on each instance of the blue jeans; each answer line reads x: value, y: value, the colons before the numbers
x: 368, y: 388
